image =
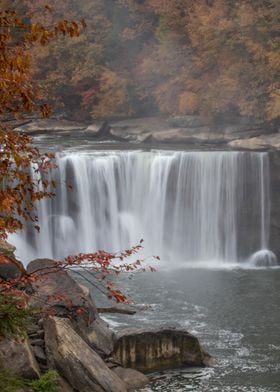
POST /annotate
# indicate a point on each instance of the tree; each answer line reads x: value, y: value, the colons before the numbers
x: 20, y: 96
x: 19, y: 160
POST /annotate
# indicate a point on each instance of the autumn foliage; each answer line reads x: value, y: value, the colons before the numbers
x: 22, y: 184
x: 204, y: 57
x: 20, y: 96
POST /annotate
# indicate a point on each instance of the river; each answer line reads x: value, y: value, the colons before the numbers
x: 206, y: 213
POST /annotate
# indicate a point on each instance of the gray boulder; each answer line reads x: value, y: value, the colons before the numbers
x: 68, y: 297
x: 157, y: 349
x: 75, y: 361
x: 17, y: 356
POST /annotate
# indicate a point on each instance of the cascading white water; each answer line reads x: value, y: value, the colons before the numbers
x: 188, y: 206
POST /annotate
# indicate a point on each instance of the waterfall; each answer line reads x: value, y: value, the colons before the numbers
x: 187, y: 206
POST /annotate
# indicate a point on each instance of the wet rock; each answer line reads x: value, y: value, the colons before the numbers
x: 157, y: 349
x: 75, y: 361
x: 17, y: 356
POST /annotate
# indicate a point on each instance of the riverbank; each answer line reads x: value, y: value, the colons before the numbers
x: 72, y: 339
x: 190, y: 130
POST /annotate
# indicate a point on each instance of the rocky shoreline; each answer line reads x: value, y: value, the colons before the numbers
x: 189, y: 130
x: 80, y: 346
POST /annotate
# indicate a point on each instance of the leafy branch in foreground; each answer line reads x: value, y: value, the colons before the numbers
x: 19, y: 189
x: 100, y: 265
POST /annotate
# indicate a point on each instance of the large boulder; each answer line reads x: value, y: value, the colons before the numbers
x: 157, y: 349
x: 10, y: 267
x: 78, y: 363
x: 57, y: 290
x: 17, y: 356
x: 70, y: 298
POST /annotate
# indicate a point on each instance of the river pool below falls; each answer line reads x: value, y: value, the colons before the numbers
x: 234, y: 312
x: 188, y: 206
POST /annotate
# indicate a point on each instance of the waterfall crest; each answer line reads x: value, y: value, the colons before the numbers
x: 188, y: 206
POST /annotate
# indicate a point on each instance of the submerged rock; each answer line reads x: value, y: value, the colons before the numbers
x: 157, y: 349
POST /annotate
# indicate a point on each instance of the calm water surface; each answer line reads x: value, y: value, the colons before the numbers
x: 235, y: 313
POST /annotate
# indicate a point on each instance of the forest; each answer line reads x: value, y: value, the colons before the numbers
x: 139, y: 136
x: 216, y: 58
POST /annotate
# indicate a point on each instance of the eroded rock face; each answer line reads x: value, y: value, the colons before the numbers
x: 157, y: 349
x: 17, y: 355
x: 274, y: 237
x: 80, y: 365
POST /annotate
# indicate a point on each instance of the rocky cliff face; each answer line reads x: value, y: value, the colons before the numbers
x: 274, y: 243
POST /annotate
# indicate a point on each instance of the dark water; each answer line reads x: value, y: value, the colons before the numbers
x: 235, y: 313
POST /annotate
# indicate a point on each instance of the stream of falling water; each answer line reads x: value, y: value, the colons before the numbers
x: 193, y: 207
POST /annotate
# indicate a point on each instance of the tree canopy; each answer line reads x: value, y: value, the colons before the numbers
x: 159, y: 56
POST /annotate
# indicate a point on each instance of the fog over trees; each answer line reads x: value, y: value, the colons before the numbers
x: 217, y: 58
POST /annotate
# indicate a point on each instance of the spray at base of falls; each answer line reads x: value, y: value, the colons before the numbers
x: 188, y: 206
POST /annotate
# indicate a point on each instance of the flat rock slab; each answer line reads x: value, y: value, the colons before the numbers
x: 157, y: 349
x: 49, y: 125
x: 75, y: 361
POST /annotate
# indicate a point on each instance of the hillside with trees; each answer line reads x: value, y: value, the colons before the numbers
x: 217, y: 58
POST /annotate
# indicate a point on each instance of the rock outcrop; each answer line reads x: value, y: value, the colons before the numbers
x: 193, y: 131
x: 80, y: 346
x: 18, y: 356
x: 274, y: 235
x: 10, y: 267
x: 67, y: 299
x: 157, y: 349
x: 76, y: 361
